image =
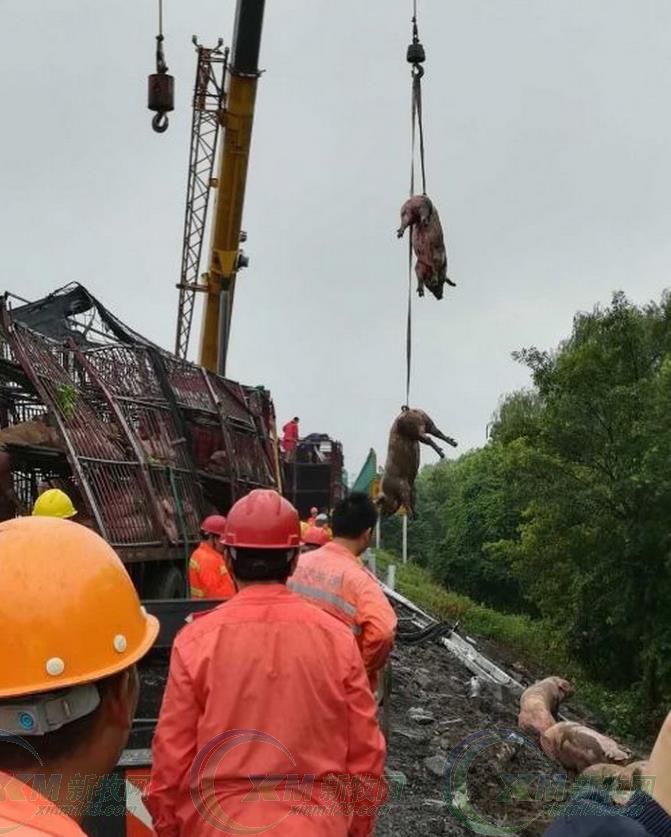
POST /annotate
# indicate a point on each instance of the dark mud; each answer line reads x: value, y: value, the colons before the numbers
x: 468, y: 769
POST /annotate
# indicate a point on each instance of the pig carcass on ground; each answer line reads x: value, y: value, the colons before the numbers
x: 616, y: 775
x: 539, y: 704
x: 397, y: 487
x: 578, y: 747
x: 428, y: 242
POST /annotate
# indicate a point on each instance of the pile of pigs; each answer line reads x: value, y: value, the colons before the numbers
x: 594, y: 757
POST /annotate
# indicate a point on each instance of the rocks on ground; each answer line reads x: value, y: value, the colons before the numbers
x: 465, y: 764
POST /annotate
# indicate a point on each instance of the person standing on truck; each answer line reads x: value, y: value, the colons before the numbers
x: 255, y: 732
x: 208, y: 576
x: 335, y: 579
x: 68, y: 684
x: 290, y: 436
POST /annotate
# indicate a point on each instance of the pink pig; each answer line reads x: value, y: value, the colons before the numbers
x: 428, y: 243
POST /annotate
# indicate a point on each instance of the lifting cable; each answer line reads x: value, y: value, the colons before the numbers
x: 161, y: 66
x: 416, y: 57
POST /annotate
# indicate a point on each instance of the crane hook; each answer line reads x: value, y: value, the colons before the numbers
x: 161, y: 85
x: 160, y: 122
x: 416, y: 53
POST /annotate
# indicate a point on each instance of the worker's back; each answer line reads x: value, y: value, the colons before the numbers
x: 208, y: 576
x: 336, y: 581
x: 265, y: 686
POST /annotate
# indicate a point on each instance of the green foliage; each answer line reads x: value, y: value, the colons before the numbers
x: 593, y: 547
x: 66, y: 399
x: 534, y: 643
x: 565, y: 514
x: 465, y: 507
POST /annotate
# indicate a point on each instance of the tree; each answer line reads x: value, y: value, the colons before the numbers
x: 566, y: 512
x: 593, y: 552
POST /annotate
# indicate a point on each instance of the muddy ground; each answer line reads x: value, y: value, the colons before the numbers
x: 461, y: 770
x: 452, y: 769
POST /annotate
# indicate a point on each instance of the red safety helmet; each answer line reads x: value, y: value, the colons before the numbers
x: 316, y: 536
x: 215, y: 524
x: 263, y: 520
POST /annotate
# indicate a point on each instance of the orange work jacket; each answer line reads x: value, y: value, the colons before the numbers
x: 267, y: 725
x: 208, y: 576
x: 337, y: 581
x: 24, y: 812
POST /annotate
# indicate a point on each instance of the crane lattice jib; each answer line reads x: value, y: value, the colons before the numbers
x: 208, y: 111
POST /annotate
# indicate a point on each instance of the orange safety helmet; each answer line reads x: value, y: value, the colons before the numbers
x: 263, y: 520
x: 69, y: 611
x: 215, y: 524
x: 316, y: 536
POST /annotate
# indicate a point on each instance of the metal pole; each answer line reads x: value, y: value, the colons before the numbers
x: 377, y: 534
x: 405, y: 538
x: 391, y: 576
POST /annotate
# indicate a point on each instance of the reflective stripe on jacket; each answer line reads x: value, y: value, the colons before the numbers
x: 256, y: 733
x: 208, y: 576
x: 336, y: 580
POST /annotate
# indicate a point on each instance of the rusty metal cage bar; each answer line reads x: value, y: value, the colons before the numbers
x: 128, y: 421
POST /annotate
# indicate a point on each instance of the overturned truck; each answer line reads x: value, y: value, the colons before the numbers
x: 145, y: 444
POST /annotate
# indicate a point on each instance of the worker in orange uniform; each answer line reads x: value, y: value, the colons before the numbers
x: 290, y: 435
x: 335, y: 579
x: 208, y: 576
x: 68, y: 686
x: 313, y: 538
x: 256, y: 734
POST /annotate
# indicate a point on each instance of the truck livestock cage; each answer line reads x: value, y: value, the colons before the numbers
x: 145, y: 444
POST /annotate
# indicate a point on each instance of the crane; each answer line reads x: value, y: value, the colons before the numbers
x: 228, y: 104
x: 224, y: 98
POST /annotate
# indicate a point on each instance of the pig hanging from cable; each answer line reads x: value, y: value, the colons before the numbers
x: 400, y: 471
x: 428, y: 242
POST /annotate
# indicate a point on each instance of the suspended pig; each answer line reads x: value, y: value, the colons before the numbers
x: 428, y: 243
x: 539, y: 704
x: 578, y: 747
x: 400, y: 471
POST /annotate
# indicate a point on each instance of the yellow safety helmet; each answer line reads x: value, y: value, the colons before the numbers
x: 69, y: 612
x: 54, y: 503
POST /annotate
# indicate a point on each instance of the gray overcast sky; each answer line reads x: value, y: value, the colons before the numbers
x: 548, y: 136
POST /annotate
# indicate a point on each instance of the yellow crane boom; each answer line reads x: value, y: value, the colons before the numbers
x: 225, y: 254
